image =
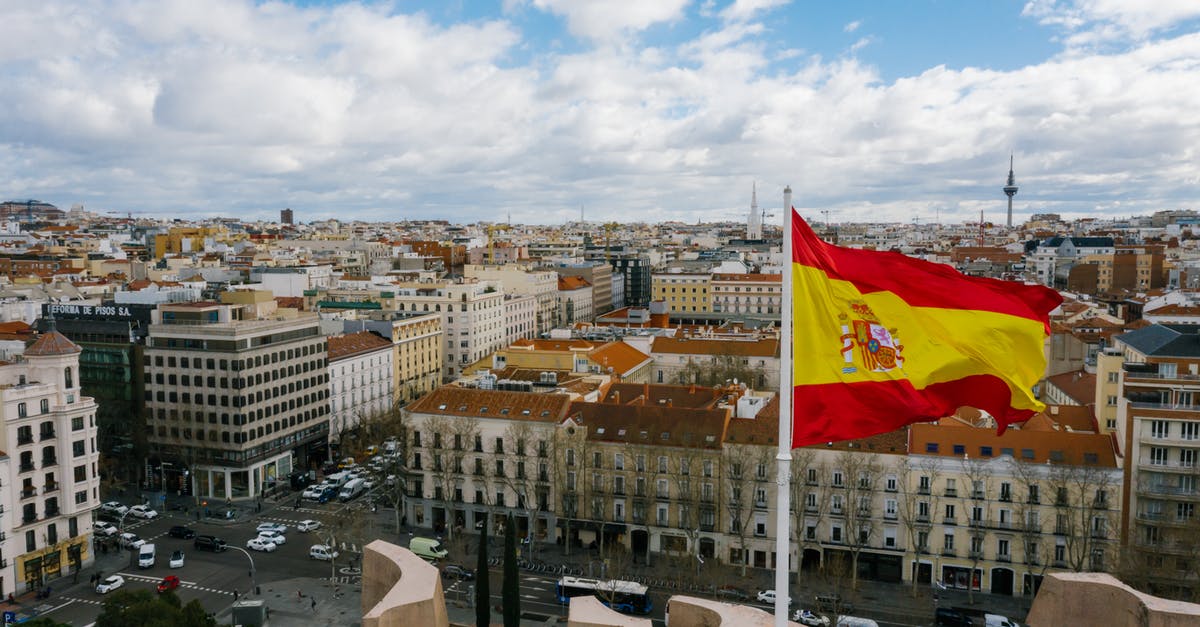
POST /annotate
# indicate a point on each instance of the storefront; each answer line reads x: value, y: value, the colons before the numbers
x: 960, y: 578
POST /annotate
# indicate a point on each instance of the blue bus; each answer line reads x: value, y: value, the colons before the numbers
x: 627, y: 597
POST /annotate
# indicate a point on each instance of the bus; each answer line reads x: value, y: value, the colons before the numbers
x: 627, y: 597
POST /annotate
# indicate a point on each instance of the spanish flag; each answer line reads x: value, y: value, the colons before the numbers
x: 882, y: 340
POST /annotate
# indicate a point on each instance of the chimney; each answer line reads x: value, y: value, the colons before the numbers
x: 616, y: 397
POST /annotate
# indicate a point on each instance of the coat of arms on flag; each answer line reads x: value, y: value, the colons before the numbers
x: 878, y: 348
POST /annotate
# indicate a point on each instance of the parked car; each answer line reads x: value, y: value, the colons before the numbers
x: 950, y: 617
x: 313, y: 492
x: 810, y: 618
x: 143, y: 512
x: 308, y: 525
x: 368, y: 483
x: 209, y: 543
x: 104, y: 529
x: 322, y: 552
x: 170, y: 582
x: 114, y: 507
x: 768, y: 597
x: 271, y: 526
x: 179, y: 531
x: 131, y: 540
x: 176, y: 560
x: 259, y: 544
x: 273, y: 537
x: 733, y: 593
x: 110, y: 583
x: 456, y: 571
x: 855, y: 621
x: 390, y: 481
x: 833, y: 604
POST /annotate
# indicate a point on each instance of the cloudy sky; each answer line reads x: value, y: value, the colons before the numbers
x: 632, y: 109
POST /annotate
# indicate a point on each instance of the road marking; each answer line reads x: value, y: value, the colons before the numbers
x: 71, y: 600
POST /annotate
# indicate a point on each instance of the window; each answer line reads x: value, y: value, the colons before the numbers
x: 948, y: 543
x: 1111, y: 401
x: 890, y: 484
x: 570, y: 457
x: 618, y: 461
x: 22, y: 411
x: 1113, y: 376
x: 1159, y: 428
x: 1187, y: 458
x: 1002, y: 548
x: 1189, y: 430
x: 950, y: 513
x: 80, y: 473
x: 889, y: 506
x: 708, y: 468
x: 45, y: 406
x: 30, y: 541
x: 837, y: 478
x: 1158, y: 456
x: 662, y: 464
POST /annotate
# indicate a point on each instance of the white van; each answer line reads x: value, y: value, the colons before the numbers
x: 854, y: 621
x: 146, y: 556
x: 996, y: 620
x: 351, y: 490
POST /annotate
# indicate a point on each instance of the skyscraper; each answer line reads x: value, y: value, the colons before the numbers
x: 1010, y: 190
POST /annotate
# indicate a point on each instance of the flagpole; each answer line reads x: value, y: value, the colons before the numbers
x: 783, y: 492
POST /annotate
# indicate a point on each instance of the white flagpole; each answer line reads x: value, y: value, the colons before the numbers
x: 783, y: 480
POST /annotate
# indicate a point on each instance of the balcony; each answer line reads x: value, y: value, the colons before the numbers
x: 50, y: 487
x: 1169, y: 490
x: 1003, y: 524
x: 923, y: 518
x: 948, y: 552
x: 952, y: 493
x: 1059, y: 563
x: 710, y: 527
x: 49, y: 461
x: 886, y: 515
x: 27, y: 467
x: 28, y: 493
x: 51, y: 511
x: 1188, y: 467
x: 760, y: 504
x: 1033, y: 500
x: 26, y: 519
x: 949, y: 520
x: 923, y: 489
x: 1004, y: 558
x: 25, y: 439
x: 47, y: 435
x: 977, y: 522
x: 977, y: 495
x: 1100, y: 503
x: 1005, y: 497
x: 975, y: 555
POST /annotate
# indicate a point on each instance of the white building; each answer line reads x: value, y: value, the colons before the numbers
x: 360, y: 379
x: 472, y: 317
x: 520, y: 317
x: 51, y: 483
x: 541, y: 284
x: 293, y: 281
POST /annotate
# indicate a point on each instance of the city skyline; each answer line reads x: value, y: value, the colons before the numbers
x: 539, y: 108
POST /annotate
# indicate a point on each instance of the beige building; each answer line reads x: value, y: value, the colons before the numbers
x: 416, y: 350
x: 472, y: 317
x: 524, y: 281
x: 575, y: 302
x: 51, y: 483
x: 747, y: 293
x: 600, y: 275
x: 236, y: 394
x: 686, y: 357
x: 682, y: 292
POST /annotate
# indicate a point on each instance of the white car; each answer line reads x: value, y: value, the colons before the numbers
x: 810, y: 618
x: 110, y: 583
x: 313, y: 492
x: 114, y: 507
x: 270, y: 526
x: 390, y: 481
x: 259, y: 544
x: 272, y: 536
x: 322, y: 552
x: 367, y: 484
x: 143, y: 512
x: 768, y: 597
x: 104, y: 529
x: 308, y: 525
x: 176, y: 560
x: 131, y: 541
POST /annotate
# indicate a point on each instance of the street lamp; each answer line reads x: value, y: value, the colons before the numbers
x: 253, y: 585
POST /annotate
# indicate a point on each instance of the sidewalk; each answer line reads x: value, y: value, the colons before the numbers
x: 307, y: 602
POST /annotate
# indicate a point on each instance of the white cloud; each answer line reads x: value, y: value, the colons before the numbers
x: 1094, y: 22
x: 852, y: 26
x: 607, y: 20
x: 363, y: 112
x: 742, y: 10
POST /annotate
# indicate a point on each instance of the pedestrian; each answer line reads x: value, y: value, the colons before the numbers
x: 299, y: 594
x: 235, y: 595
x: 314, y: 604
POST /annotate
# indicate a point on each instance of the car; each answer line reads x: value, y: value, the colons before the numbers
x: 313, y: 492
x: 114, y: 507
x: 733, y: 593
x: 810, y: 618
x: 143, y: 512
x: 104, y: 529
x: 768, y: 596
x: 308, y: 525
x: 179, y: 531
x: 455, y: 571
x: 209, y: 543
x: 346, y: 462
x: 110, y: 583
x: 259, y: 544
x: 271, y: 526
x: 368, y: 483
x: 322, y: 552
x: 833, y: 604
x: 176, y: 560
x: 951, y: 617
x: 170, y: 582
x: 131, y: 540
x: 272, y: 536
x: 390, y: 481
x: 107, y: 516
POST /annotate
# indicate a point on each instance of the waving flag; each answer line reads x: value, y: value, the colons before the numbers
x: 882, y: 340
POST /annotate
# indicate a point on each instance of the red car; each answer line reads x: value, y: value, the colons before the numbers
x: 170, y: 582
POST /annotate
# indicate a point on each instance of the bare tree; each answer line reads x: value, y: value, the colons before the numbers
x: 524, y: 479
x: 719, y: 370
x: 1083, y: 495
x: 979, y: 479
x: 640, y: 463
x: 916, y: 504
x: 568, y: 452
x: 862, y: 477
x: 740, y: 464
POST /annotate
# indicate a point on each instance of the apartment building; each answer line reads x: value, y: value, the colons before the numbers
x: 747, y: 293
x: 237, y: 393
x: 683, y: 359
x: 360, y: 380
x: 477, y: 455
x: 520, y: 317
x: 472, y: 317
x: 617, y: 359
x: 416, y: 349
x: 51, y: 470
x: 575, y: 301
x: 524, y: 281
x: 1158, y: 425
x: 682, y: 292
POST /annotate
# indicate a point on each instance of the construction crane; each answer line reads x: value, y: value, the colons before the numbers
x: 491, y: 230
x: 609, y: 227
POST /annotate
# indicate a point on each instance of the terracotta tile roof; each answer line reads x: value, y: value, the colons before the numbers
x: 652, y: 425
x: 290, y: 302
x: 1076, y: 417
x: 1035, y: 446
x: 692, y: 397
x: 619, y: 356
x: 763, y: 347
x: 762, y: 429
x: 450, y: 400
x: 568, y: 283
x: 52, y: 343
x: 351, y: 344
x: 553, y: 345
x: 1078, y: 385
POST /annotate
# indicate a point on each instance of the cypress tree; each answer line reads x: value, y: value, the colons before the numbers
x: 483, y: 596
x: 510, y: 587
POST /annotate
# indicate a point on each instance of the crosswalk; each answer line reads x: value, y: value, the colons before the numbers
x: 88, y: 601
x: 191, y: 585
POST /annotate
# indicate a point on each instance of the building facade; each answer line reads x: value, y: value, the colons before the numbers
x: 747, y: 293
x: 682, y: 292
x: 542, y: 285
x: 416, y: 350
x: 361, y: 368
x: 472, y: 317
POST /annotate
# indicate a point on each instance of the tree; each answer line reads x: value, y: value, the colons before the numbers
x: 719, y: 370
x: 638, y: 460
x: 915, y: 505
x: 567, y: 450
x: 1082, y: 498
x: 809, y: 499
x: 146, y: 609
x: 530, y: 479
x: 483, y: 593
x: 510, y: 590
x: 978, y: 474
x: 740, y: 467
x: 862, y: 476
x: 43, y: 621
x: 448, y: 439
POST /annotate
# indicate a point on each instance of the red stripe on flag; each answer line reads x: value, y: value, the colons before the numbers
x: 919, y: 283
x: 833, y: 412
